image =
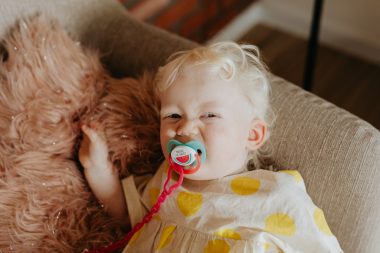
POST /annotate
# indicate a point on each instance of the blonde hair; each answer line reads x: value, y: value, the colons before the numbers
x: 231, y: 61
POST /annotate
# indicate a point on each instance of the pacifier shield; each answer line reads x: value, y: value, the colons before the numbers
x: 195, y: 145
x: 183, y: 155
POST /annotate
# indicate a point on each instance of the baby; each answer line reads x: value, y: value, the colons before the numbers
x: 217, y: 96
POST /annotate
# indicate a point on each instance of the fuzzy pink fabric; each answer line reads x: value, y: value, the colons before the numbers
x: 128, y: 113
x: 48, y: 85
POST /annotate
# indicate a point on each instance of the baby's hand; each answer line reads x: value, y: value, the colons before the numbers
x: 93, y: 152
x: 101, y: 176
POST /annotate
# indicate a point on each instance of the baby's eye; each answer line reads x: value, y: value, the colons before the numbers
x: 173, y: 116
x: 209, y: 115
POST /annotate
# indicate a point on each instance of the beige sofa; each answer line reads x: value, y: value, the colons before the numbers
x: 337, y: 153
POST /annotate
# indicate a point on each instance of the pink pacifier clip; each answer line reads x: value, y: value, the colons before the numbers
x: 173, y: 165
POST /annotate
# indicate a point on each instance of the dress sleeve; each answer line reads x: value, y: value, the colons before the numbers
x: 133, y: 187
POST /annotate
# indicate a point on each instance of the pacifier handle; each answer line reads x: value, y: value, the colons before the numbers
x: 178, y: 168
x: 166, y: 192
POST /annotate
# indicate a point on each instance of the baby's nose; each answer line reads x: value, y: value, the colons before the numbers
x: 187, y: 128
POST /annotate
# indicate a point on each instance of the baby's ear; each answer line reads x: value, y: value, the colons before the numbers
x: 257, y: 134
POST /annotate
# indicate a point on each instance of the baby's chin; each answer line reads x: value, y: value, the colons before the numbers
x: 201, y: 175
x: 207, y: 173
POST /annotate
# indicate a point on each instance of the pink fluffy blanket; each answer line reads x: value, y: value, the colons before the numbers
x: 49, y: 84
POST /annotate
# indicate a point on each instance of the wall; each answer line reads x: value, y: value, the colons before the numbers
x: 197, y: 20
x: 349, y: 25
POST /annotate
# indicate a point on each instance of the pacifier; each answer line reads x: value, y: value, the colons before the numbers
x: 186, y: 156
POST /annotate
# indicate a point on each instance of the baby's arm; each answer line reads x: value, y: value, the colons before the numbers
x: 102, y: 177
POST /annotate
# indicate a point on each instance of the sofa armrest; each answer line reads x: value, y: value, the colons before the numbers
x: 338, y: 155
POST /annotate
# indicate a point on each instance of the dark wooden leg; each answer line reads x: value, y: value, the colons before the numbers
x: 312, y: 48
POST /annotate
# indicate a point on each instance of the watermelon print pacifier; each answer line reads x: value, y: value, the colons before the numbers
x: 186, y: 156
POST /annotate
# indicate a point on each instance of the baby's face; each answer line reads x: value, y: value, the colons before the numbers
x: 204, y: 107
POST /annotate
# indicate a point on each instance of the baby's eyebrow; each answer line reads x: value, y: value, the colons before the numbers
x: 216, y: 104
x: 168, y: 109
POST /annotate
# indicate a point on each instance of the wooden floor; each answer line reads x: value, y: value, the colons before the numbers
x: 348, y: 82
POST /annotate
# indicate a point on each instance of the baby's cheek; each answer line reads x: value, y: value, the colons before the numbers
x: 231, y: 144
x: 166, y: 134
x: 164, y: 141
x: 219, y: 142
x: 217, y: 131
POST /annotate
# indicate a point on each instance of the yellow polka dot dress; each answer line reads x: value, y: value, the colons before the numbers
x: 257, y: 212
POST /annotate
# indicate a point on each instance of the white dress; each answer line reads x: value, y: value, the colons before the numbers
x: 256, y: 211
